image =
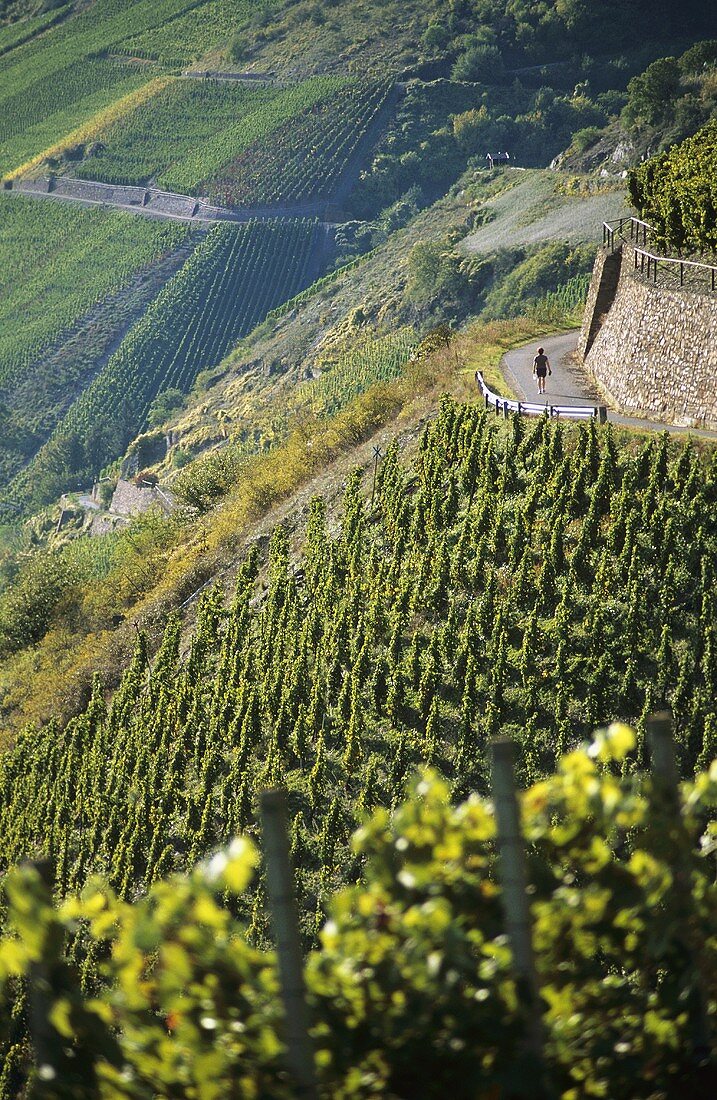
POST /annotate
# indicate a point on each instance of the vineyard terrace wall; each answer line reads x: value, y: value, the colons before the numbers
x: 651, y: 350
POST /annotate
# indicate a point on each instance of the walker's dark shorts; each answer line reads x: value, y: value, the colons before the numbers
x: 541, y: 372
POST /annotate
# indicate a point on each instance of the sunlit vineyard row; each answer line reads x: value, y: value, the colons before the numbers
x: 414, y: 985
x: 307, y: 156
x: 529, y: 579
x: 219, y: 120
x: 229, y: 283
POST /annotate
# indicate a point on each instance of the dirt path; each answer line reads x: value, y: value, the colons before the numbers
x: 570, y: 384
x: 203, y: 214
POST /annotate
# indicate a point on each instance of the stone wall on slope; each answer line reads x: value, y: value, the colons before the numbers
x: 651, y: 350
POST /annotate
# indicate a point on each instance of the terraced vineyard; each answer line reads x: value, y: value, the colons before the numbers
x: 58, y: 81
x: 57, y: 262
x: 307, y: 156
x: 219, y: 121
x: 235, y: 276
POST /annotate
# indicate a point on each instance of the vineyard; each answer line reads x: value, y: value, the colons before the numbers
x: 199, y: 27
x: 676, y: 193
x: 524, y: 579
x: 529, y: 580
x: 219, y: 121
x: 56, y: 82
x: 370, y: 360
x: 308, y: 156
x: 234, y: 277
x: 56, y: 263
x: 412, y: 989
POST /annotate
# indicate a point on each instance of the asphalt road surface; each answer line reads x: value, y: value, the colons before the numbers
x: 570, y: 383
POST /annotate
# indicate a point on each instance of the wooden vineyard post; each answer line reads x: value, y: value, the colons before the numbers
x: 285, y: 922
x: 666, y: 797
x: 45, y: 1040
x: 514, y: 885
x: 376, y: 456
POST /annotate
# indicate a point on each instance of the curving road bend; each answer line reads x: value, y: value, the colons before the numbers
x: 570, y: 383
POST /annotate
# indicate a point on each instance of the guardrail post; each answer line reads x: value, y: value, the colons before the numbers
x: 519, y: 408
x: 284, y: 917
x: 654, y: 268
x: 514, y: 885
x: 602, y: 414
x: 665, y: 777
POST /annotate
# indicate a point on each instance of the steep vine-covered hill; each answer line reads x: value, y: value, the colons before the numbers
x: 251, y: 256
x: 357, y: 115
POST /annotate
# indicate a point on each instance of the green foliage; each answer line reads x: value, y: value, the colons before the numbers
x: 549, y: 267
x: 167, y: 402
x: 650, y: 94
x: 439, y: 273
x: 677, y: 193
x: 411, y: 991
x: 229, y: 283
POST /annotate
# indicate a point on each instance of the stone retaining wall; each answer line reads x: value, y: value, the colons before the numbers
x: 652, y: 351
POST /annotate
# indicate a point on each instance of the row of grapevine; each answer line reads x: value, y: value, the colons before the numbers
x: 58, y: 80
x: 230, y: 282
x: 413, y: 991
x: 371, y: 360
x: 219, y: 120
x: 58, y: 261
x: 531, y: 580
x: 307, y: 157
x: 191, y: 33
x: 16, y: 34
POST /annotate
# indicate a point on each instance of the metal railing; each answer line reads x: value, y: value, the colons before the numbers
x: 504, y: 406
x: 675, y: 272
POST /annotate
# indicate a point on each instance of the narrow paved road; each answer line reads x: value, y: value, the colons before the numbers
x: 570, y: 383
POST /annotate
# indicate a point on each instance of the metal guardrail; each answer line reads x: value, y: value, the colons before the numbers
x: 535, y: 408
x: 650, y: 264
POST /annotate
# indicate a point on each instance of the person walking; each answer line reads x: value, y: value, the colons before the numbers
x: 541, y: 368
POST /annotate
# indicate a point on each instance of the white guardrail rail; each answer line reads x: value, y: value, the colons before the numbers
x: 539, y: 408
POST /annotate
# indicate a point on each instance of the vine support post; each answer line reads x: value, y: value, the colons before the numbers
x: 376, y: 457
x: 513, y: 878
x: 44, y: 1037
x: 666, y: 797
x: 285, y: 922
